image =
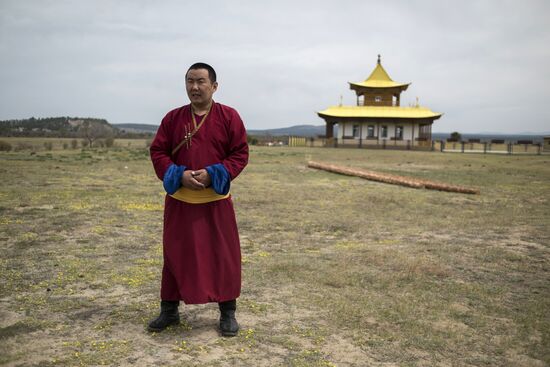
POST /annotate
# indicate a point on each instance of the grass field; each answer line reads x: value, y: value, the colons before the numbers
x: 337, y: 271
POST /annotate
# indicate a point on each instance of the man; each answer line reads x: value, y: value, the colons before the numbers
x: 198, y: 149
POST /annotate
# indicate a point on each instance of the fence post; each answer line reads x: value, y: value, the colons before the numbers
x: 442, y: 147
x: 484, y: 147
x: 462, y: 146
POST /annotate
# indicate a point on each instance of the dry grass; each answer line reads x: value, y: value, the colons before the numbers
x: 338, y: 271
x: 48, y: 144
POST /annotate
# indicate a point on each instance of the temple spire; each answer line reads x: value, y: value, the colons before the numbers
x: 378, y: 78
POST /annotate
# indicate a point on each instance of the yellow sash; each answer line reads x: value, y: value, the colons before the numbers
x: 198, y: 196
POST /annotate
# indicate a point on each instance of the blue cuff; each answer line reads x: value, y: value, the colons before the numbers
x: 172, y: 178
x: 220, y: 178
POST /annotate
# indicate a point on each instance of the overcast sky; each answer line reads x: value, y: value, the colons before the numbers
x: 484, y: 64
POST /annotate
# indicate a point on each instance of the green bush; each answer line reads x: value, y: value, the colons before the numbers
x: 74, y: 143
x: 48, y: 145
x: 455, y: 136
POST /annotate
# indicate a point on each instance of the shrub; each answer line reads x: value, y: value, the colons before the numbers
x: 74, y: 143
x: 110, y: 142
x: 48, y: 145
x: 65, y: 146
x: 455, y: 136
x: 252, y: 140
x: 84, y: 143
x: 5, y: 146
x: 23, y: 146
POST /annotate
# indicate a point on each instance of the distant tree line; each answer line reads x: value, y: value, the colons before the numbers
x: 65, y: 127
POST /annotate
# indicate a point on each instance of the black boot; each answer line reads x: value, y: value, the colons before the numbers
x: 169, y: 315
x: 228, y: 322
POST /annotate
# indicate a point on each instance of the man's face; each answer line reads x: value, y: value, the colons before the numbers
x: 199, y: 86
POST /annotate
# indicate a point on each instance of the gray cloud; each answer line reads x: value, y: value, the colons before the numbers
x: 484, y: 64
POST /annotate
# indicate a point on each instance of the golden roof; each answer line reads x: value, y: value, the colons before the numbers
x: 379, y: 78
x: 379, y: 112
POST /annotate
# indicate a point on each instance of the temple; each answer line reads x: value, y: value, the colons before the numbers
x: 378, y: 119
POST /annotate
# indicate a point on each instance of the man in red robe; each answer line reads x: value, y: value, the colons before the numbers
x: 198, y: 150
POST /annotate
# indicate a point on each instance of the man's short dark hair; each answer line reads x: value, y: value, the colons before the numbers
x: 202, y: 65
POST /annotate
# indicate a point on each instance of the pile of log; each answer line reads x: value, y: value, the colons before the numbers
x: 392, y: 179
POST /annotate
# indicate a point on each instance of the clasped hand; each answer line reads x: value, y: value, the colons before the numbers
x: 196, y: 180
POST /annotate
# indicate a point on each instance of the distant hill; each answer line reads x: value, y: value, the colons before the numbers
x: 137, y: 128
x: 297, y: 130
x: 54, y: 126
x: 73, y: 127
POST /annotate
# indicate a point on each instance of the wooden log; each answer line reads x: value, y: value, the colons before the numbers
x: 392, y: 179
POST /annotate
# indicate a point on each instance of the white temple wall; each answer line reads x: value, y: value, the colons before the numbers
x: 410, y: 131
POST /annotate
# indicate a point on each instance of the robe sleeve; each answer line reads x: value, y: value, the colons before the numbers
x: 220, y: 178
x: 237, y: 157
x: 172, y: 178
x: 160, y: 149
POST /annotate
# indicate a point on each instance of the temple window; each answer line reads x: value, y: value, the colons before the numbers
x: 384, y: 131
x: 378, y: 99
x: 399, y: 132
x: 355, y: 131
x: 370, y: 131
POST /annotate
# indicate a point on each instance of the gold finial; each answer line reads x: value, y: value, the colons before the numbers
x: 341, y: 97
x: 378, y: 58
x: 417, y: 102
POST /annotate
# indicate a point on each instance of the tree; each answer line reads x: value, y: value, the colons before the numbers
x: 93, y: 130
x: 455, y: 136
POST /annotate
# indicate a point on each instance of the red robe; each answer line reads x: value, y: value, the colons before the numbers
x: 202, y: 255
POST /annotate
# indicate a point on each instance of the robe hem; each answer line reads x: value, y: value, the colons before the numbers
x: 202, y: 301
